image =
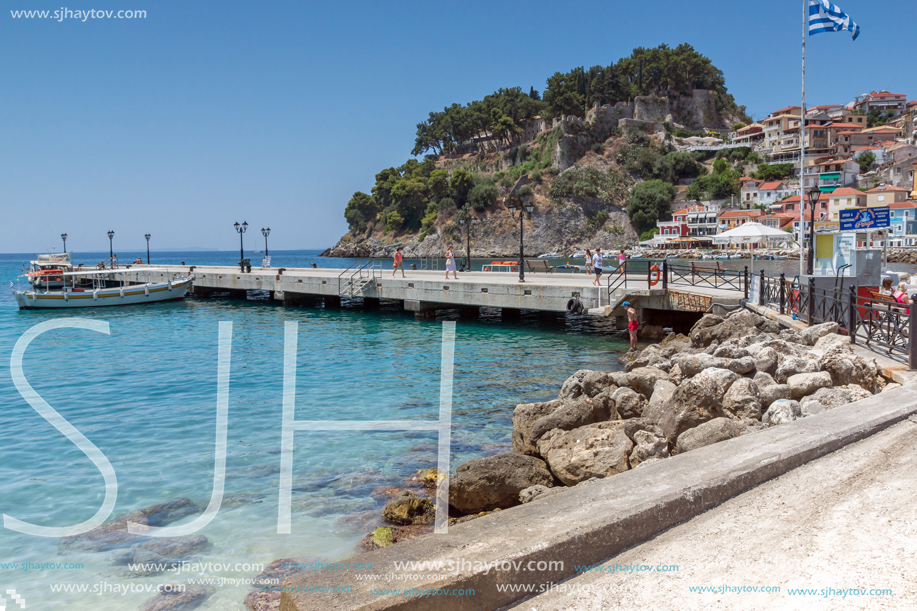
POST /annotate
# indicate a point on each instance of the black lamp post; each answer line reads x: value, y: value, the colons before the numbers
x: 147, y: 236
x: 63, y: 236
x: 470, y: 222
x: 813, y: 200
x: 111, y: 249
x: 265, y: 233
x: 522, y: 208
x: 240, y: 229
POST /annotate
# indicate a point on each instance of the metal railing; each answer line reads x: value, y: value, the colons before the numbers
x: 354, y: 279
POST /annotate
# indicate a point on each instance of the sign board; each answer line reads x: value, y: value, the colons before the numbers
x: 265, y: 262
x: 857, y: 219
x: 754, y: 290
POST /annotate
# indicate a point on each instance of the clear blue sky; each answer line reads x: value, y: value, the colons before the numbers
x: 207, y: 113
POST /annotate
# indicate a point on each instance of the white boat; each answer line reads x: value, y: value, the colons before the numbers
x: 549, y: 255
x: 579, y: 254
x: 99, y: 287
x: 46, y: 270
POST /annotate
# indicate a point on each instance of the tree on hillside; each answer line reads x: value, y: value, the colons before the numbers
x: 866, y: 160
x: 774, y: 171
x: 360, y: 211
x: 461, y: 183
x: 649, y: 202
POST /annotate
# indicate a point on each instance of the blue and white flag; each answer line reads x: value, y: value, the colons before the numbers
x: 827, y: 17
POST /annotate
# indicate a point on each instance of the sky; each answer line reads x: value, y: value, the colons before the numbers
x: 203, y: 114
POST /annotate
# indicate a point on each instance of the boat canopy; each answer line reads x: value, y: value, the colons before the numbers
x: 103, y: 272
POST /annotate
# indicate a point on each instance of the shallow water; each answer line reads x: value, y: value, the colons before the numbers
x: 145, y: 395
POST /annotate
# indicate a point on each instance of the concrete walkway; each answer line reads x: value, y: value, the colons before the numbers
x: 845, y: 521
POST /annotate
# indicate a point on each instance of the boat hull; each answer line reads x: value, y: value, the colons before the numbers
x: 130, y: 295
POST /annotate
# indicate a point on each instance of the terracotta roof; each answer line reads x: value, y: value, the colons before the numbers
x: 888, y: 189
x: 770, y: 186
x: 783, y: 110
x: 903, y: 205
x: 912, y: 103
x: 885, y: 94
x: 843, y: 125
x: 846, y: 133
x: 834, y: 162
x: 741, y: 213
x: 880, y: 130
x: 846, y: 191
x: 824, y: 106
x: 867, y: 148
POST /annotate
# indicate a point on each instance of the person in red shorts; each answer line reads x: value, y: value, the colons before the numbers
x: 632, y: 324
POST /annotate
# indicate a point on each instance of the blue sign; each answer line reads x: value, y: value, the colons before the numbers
x: 856, y: 219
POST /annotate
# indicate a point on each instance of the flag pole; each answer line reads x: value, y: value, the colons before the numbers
x: 802, y: 152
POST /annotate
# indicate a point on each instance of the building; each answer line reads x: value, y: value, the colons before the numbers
x: 845, y: 142
x: 748, y: 195
x: 750, y: 135
x: 677, y: 227
x: 702, y: 220
x: 878, y: 150
x: 885, y: 195
x: 881, y: 101
x: 731, y: 218
x: 770, y: 193
x: 791, y: 206
x: 903, y: 225
x: 835, y: 173
x: 843, y: 198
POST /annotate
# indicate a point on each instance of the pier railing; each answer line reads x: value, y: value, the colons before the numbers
x: 659, y: 273
x: 352, y: 280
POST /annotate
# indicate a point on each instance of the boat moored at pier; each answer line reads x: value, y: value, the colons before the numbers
x: 95, y: 288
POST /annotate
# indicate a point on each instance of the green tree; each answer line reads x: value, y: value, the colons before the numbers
x: 483, y: 196
x: 866, y: 160
x: 461, y: 183
x: 774, y: 171
x: 360, y: 210
x: 649, y: 202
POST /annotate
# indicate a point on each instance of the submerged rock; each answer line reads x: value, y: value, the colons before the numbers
x: 171, y: 599
x: 409, y: 508
x: 153, y: 553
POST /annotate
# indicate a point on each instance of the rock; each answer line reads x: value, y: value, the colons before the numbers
x: 426, y: 479
x: 585, y: 382
x: 766, y: 361
x: 495, y: 481
x: 774, y: 392
x: 694, y: 402
x: 648, y: 445
x: 763, y: 379
x: 810, y: 408
x: 693, y: 364
x: 158, y: 551
x: 676, y: 374
x: 781, y: 412
x: 791, y: 335
x: 409, y: 508
x: 643, y: 379
x: 629, y: 403
x: 524, y: 417
x: 170, y: 598
x: 278, y: 570
x: 811, y: 335
x: 743, y: 400
x: 804, y: 384
x: 262, y: 600
x: 113, y: 534
x: 575, y: 414
x: 648, y: 461
x: 723, y: 377
x: 845, y: 368
x: 783, y: 348
x: 718, y: 429
x: 662, y: 395
x: 857, y: 392
x: 231, y: 501
x: 385, y: 536
x: 832, y: 342
x: 712, y: 328
x: 794, y: 366
x: 586, y: 453
x: 536, y: 492
x: 891, y: 386
x: 829, y: 397
x: 702, y: 333
x: 731, y: 351
x: 649, y: 358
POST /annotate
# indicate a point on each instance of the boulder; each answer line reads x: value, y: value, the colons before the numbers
x: 158, y: 551
x: 783, y: 348
x: 495, y: 482
x: 723, y: 377
x: 846, y: 368
x: 718, y: 429
x: 629, y: 403
x: 891, y: 386
x: 774, y: 392
x: 586, y: 453
x: 793, y: 366
x: 693, y: 364
x: 675, y: 343
x: 811, y: 335
x: 712, y: 328
x: 643, y: 379
x: 702, y: 333
x: 536, y: 492
x: 586, y: 382
x: 831, y: 342
x: 763, y: 379
x: 791, y: 335
x: 575, y: 414
x: 766, y: 361
x: 175, y: 597
x: 810, y: 408
x: 781, y: 412
x: 804, y: 384
x: 648, y: 445
x: 524, y: 417
x: 694, y: 402
x: 731, y: 351
x: 662, y: 395
x: 743, y: 400
x: 830, y: 397
x: 857, y: 392
x: 113, y: 534
x: 676, y: 374
x: 409, y: 508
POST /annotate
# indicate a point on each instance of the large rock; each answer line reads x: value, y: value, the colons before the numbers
x: 176, y: 597
x: 766, y: 361
x: 781, y: 412
x: 731, y: 351
x: 113, y: 534
x: 783, y: 348
x: 629, y: 403
x: 586, y: 382
x: 643, y: 379
x: 575, y: 414
x: 829, y: 397
x: 712, y: 328
x: 763, y: 379
x: 723, y: 377
x: 703, y: 332
x: 409, y: 508
x: 495, y: 482
x: 793, y: 366
x: 774, y: 392
x: 524, y: 417
x: 743, y: 400
x: 693, y: 364
x: 846, y: 368
x: 831, y: 342
x: 804, y: 384
x: 662, y: 396
x: 586, y: 453
x: 718, y: 429
x: 158, y: 551
x: 811, y: 335
x: 694, y: 402
x: 648, y: 445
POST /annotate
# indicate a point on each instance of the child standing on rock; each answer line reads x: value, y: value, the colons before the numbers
x: 632, y: 324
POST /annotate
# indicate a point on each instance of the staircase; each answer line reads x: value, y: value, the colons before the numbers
x: 353, y: 280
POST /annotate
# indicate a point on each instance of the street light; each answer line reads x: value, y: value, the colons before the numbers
x: 63, y: 236
x: 147, y: 236
x: 265, y: 233
x: 471, y: 223
x: 522, y: 208
x: 813, y: 199
x: 240, y: 229
x: 111, y: 249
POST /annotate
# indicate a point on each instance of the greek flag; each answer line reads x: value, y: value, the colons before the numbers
x: 827, y: 17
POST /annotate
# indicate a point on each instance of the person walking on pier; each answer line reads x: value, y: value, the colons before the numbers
x: 450, y: 263
x: 622, y: 260
x: 597, y: 267
x: 588, y: 261
x: 632, y: 324
x: 399, y: 258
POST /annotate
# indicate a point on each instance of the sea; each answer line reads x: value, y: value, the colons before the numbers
x: 145, y: 395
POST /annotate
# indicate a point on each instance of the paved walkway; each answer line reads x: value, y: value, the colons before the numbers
x: 841, y: 523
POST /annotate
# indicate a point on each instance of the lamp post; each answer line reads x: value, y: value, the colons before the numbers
x: 147, y: 236
x: 265, y: 233
x: 813, y: 199
x: 111, y: 248
x: 63, y: 236
x: 470, y: 222
x: 522, y: 208
x: 240, y: 229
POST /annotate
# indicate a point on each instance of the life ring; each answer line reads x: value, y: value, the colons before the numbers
x: 571, y: 305
x: 654, y: 279
x: 579, y: 309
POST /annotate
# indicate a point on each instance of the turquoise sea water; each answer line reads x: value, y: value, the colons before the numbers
x: 146, y: 396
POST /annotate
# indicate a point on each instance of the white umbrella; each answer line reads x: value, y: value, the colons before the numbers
x: 752, y: 232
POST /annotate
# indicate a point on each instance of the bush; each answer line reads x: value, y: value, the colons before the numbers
x: 598, y: 147
x: 483, y: 195
x: 447, y: 203
x: 774, y: 171
x: 535, y: 176
x: 648, y: 234
x: 597, y: 221
x: 506, y: 182
x: 524, y: 192
x: 393, y: 221
x: 649, y: 202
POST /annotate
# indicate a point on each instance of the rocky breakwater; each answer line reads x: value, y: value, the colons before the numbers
x: 731, y: 376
